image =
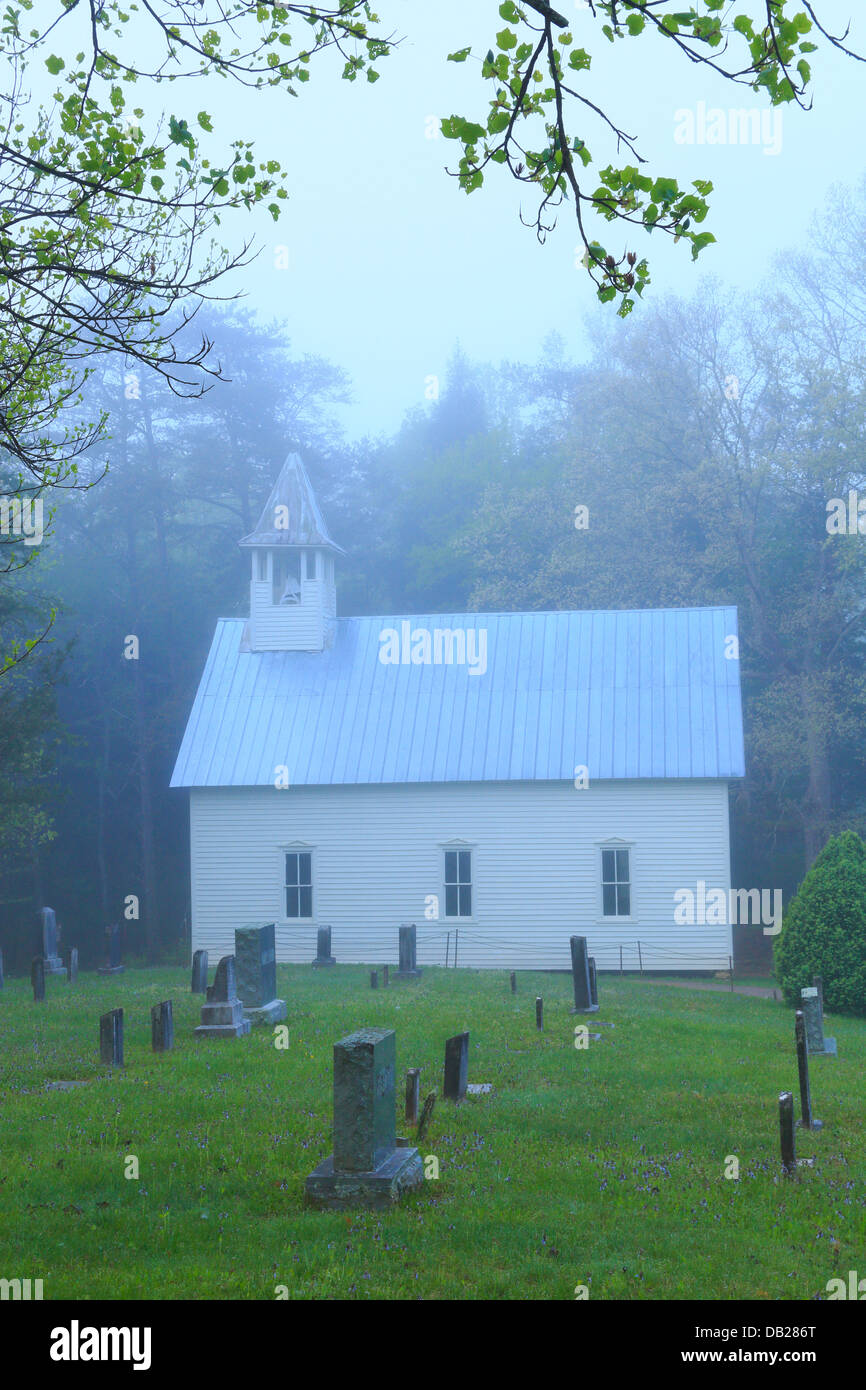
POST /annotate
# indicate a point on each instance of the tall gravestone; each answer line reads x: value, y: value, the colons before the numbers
x: 813, y: 1018
x: 369, y: 1167
x: 52, y: 963
x: 37, y: 979
x: 111, y: 1038
x: 408, y: 961
x: 323, y: 948
x: 198, y: 983
x: 162, y: 1027
x: 223, y: 1014
x: 807, y: 1120
x: 456, y: 1067
x: 256, y: 966
x: 113, y: 964
x: 583, y: 1002
x: 73, y: 965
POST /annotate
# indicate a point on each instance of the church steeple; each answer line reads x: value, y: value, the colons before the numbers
x: 292, y: 589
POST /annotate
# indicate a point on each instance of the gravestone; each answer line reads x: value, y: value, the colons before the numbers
x: 583, y: 1002
x: 73, y: 965
x: 593, y: 981
x: 817, y: 1044
x: 53, y: 965
x: 37, y: 979
x: 408, y: 962
x: 374, y: 979
x: 807, y: 1119
x: 456, y: 1067
x: 113, y: 967
x: 369, y: 1167
x: 198, y: 984
x: 513, y: 983
x: 111, y: 1038
x: 385, y: 969
x: 223, y: 1014
x: 162, y: 1027
x: 786, y: 1132
x: 256, y: 965
x: 818, y: 982
x: 323, y: 948
x: 413, y: 1092
x: 539, y: 1013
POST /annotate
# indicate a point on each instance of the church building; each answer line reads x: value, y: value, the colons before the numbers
x: 502, y: 780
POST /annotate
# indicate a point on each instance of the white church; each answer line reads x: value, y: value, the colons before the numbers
x: 502, y: 780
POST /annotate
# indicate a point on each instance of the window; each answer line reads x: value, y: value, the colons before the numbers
x: 287, y: 577
x: 261, y: 565
x: 299, y: 884
x: 615, y: 883
x: 458, y: 883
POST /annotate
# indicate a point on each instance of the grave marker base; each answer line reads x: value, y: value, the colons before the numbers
x: 590, y: 1009
x: 272, y: 1012
x: 406, y: 975
x: 54, y: 966
x: 829, y: 1049
x: 223, y: 1020
x: 401, y: 1171
x: 109, y: 970
x: 326, y: 960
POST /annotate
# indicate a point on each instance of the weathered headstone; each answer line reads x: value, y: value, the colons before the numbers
x: 408, y: 962
x: 786, y: 1131
x: 37, y: 979
x: 198, y: 983
x: 818, y: 983
x: 807, y: 1119
x: 323, y: 948
x: 256, y: 965
x: 593, y: 981
x: 413, y: 1091
x: 73, y: 965
x: 513, y: 983
x: 368, y: 1167
x: 539, y: 1013
x: 385, y: 976
x: 53, y: 965
x: 113, y: 966
x: 456, y: 1067
x: 374, y: 979
x: 111, y: 1038
x: 583, y: 1003
x: 223, y: 1014
x: 818, y: 1045
x: 162, y: 1027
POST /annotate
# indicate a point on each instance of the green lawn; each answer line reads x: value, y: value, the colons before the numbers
x: 602, y: 1167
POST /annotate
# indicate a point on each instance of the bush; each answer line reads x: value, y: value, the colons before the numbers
x: 824, y: 929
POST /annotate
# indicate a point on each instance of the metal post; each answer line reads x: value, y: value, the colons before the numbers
x: 786, y: 1132
x: 639, y: 960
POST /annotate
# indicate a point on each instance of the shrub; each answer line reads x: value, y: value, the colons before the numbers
x: 824, y: 929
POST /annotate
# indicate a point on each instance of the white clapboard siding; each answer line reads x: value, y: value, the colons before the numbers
x: 287, y: 626
x: 378, y: 854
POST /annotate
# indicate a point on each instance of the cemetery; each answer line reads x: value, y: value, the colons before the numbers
x: 425, y: 1140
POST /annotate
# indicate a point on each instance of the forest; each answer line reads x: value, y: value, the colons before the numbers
x: 708, y: 451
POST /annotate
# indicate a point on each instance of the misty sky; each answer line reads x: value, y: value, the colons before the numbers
x: 390, y: 263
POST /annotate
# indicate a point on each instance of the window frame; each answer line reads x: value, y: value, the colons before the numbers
x: 456, y: 846
x: 297, y: 847
x: 613, y: 842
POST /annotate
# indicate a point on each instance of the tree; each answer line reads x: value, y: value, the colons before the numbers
x: 824, y: 929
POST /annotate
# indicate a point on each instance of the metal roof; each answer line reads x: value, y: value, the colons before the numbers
x: 627, y: 694
x: 305, y: 525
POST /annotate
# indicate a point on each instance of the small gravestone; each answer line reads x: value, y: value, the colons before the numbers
x: 223, y: 1014
x: 593, y: 981
x: 786, y: 1132
x: 513, y: 983
x: 37, y: 979
x: 113, y: 965
x: 374, y: 979
x: 162, y: 1027
x: 73, y: 965
x: 256, y: 965
x: 811, y: 1005
x: 53, y: 965
x: 456, y: 1067
x: 413, y: 1091
x: 408, y: 962
x: 369, y: 1167
x: 323, y: 948
x: 198, y: 983
x: 111, y: 1038
x: 583, y: 1003
x: 807, y: 1119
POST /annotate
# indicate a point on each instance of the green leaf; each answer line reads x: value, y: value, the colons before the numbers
x: 54, y: 64
x: 204, y: 120
x: 506, y: 38
x: 460, y: 56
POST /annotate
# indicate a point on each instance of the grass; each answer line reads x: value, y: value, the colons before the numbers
x: 603, y: 1167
